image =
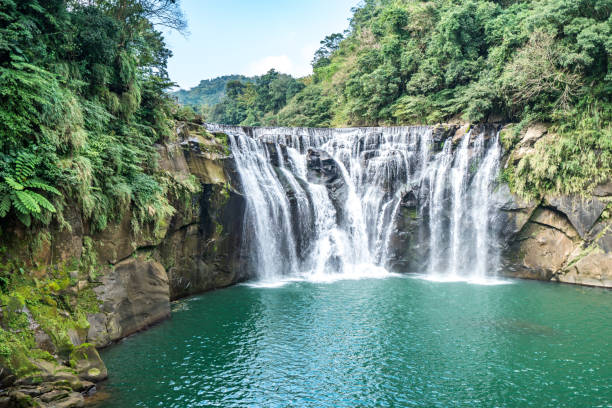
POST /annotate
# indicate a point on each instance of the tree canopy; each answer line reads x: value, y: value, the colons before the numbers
x: 255, y: 103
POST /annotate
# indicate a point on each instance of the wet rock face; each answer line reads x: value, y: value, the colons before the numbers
x: 408, y: 246
x: 206, y: 254
x: 277, y: 154
x: 513, y: 212
x: 323, y: 169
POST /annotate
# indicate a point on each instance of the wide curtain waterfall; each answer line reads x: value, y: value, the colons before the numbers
x: 338, y: 201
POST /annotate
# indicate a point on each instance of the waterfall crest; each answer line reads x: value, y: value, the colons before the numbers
x: 361, y: 201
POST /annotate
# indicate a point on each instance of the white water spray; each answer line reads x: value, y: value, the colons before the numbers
x: 324, y: 202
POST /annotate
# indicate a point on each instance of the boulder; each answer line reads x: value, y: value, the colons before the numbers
x: 443, y: 131
x: 49, y: 372
x: 526, y: 144
x: 533, y: 134
x: 603, y: 189
x: 593, y: 269
x: 539, y: 251
x: 54, y: 395
x: 135, y: 294
x: 88, y: 364
x: 73, y: 400
x: 98, y: 334
x: 19, y: 399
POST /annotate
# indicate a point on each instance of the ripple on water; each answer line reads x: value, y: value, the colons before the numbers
x: 375, y: 343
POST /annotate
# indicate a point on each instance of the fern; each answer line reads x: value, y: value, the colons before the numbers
x: 5, y: 205
x: 25, y: 219
x: 25, y: 166
x: 28, y: 200
x: 19, y: 195
x: 42, y: 201
x: 37, y: 183
x: 19, y: 206
x: 13, y: 184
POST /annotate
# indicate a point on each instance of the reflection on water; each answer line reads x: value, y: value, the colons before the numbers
x: 373, y: 342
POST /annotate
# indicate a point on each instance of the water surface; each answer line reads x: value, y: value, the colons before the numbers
x: 391, y: 342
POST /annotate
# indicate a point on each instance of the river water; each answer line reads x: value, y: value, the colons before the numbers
x: 394, y: 341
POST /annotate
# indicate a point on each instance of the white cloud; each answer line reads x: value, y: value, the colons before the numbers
x: 281, y: 63
x: 308, y: 51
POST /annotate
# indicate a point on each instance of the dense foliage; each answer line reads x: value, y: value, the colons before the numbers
x: 255, y: 103
x: 208, y: 92
x: 82, y: 102
x: 427, y: 61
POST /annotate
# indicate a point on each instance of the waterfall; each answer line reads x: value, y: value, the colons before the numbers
x: 324, y: 202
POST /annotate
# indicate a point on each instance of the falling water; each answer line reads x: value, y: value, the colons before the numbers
x: 328, y: 201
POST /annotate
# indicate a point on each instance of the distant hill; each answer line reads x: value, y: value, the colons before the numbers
x: 209, y: 92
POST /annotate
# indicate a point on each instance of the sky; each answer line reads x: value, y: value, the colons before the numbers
x: 251, y: 36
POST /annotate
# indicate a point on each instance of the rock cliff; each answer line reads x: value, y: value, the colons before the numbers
x: 128, y: 275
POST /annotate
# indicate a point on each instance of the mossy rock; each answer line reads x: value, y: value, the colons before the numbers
x: 50, y: 372
x: 87, y: 363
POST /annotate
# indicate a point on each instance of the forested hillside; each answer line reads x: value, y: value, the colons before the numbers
x: 408, y: 62
x: 82, y: 102
x: 208, y: 92
x: 255, y: 103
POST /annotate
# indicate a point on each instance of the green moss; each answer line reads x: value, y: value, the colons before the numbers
x: 606, y: 213
x: 572, y: 159
x: 52, y: 305
x: 79, y: 353
x: 225, y: 194
x: 14, y: 354
x: 223, y: 140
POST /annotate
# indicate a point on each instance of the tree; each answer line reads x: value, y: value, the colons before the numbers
x: 328, y: 46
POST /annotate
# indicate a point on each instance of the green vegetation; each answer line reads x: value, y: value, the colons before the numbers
x: 407, y: 61
x: 257, y: 103
x: 82, y: 102
x: 208, y: 92
x: 55, y: 305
